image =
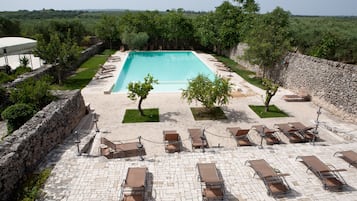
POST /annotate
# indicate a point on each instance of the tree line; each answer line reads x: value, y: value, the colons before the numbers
x: 232, y: 22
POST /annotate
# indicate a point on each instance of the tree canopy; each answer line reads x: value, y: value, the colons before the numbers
x: 208, y: 92
x: 141, y: 90
x: 268, y: 39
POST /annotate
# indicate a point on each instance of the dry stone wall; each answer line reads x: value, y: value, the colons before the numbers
x: 22, y: 151
x: 332, y: 85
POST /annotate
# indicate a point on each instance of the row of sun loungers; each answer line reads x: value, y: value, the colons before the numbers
x: 134, y: 186
x: 295, y: 132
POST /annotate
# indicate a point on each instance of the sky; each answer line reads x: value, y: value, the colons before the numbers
x: 296, y: 7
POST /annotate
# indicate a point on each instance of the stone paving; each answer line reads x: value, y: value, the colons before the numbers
x: 174, y: 176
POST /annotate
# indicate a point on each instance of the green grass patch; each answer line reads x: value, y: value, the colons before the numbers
x: 272, y: 112
x: 84, y: 73
x: 247, y: 75
x: 202, y: 113
x: 133, y: 116
x: 30, y: 190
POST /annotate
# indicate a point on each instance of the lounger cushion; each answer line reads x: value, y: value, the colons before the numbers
x: 244, y: 142
x: 133, y: 198
x: 277, y: 188
x: 212, y: 192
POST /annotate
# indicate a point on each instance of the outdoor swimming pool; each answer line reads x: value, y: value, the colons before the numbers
x: 172, y: 69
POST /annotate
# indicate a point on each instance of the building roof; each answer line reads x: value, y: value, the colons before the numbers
x: 16, y: 45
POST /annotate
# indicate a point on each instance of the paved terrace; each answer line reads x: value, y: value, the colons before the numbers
x: 174, y: 176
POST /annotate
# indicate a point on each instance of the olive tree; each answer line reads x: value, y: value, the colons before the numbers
x: 208, y: 92
x: 141, y: 90
x: 270, y: 90
x: 62, y: 54
x: 268, y: 39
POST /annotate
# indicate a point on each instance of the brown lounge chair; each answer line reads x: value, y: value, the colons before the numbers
x: 198, y: 138
x: 349, y: 156
x: 211, y: 183
x: 291, y: 133
x: 305, y: 131
x: 111, y: 149
x: 240, y: 135
x: 274, y: 182
x: 134, y: 186
x: 330, y: 178
x: 172, y: 141
x: 296, y: 98
x: 268, y: 134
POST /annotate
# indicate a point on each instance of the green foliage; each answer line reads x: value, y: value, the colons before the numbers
x: 60, y: 53
x: 4, y: 78
x: 73, y: 29
x: 21, y: 70
x: 33, y: 92
x: 135, y: 40
x: 247, y: 75
x: 334, y: 38
x: 208, y: 92
x: 4, y: 100
x: 24, y: 61
x: 134, y: 116
x: 30, y: 190
x: 16, y: 115
x: 270, y: 91
x: 141, y: 90
x: 107, y: 29
x: 221, y: 28
x: 273, y: 111
x: 9, y: 27
x: 269, y: 39
x: 84, y: 73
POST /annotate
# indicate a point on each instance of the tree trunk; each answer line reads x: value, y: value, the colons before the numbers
x: 139, y: 107
x: 267, y: 101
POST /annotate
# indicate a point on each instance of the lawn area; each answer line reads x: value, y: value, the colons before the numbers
x: 249, y: 76
x: 133, y: 116
x: 273, y: 111
x: 202, y: 113
x: 85, y: 72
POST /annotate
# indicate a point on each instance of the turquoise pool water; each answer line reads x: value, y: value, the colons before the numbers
x: 171, y: 69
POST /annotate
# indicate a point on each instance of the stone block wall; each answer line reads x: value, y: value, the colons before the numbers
x: 332, y: 85
x: 24, y: 149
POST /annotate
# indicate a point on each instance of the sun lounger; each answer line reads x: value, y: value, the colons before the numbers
x: 291, y: 133
x: 349, y: 156
x: 111, y: 149
x: 330, y: 178
x: 198, y: 138
x: 296, y: 98
x: 134, y: 186
x: 108, y: 67
x: 240, y: 135
x: 172, y: 141
x: 106, y: 75
x: 305, y: 131
x: 269, y: 134
x: 274, y: 182
x: 114, y: 58
x: 211, y: 182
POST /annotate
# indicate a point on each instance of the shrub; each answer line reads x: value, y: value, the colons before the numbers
x: 21, y: 70
x: 16, y: 115
x: 4, y: 78
x: 4, y: 100
x: 33, y: 92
